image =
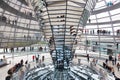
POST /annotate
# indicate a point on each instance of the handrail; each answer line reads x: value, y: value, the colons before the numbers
x: 18, y: 27
x: 101, y: 23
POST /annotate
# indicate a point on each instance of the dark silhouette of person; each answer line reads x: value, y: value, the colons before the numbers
x: 106, y: 61
x: 42, y: 58
x: 88, y: 57
x: 33, y: 57
x: 115, y: 60
x: 89, y: 20
x: 110, y: 58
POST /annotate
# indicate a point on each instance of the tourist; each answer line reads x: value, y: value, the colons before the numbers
x: 6, y: 49
x: 38, y: 56
x: 110, y: 58
x: 42, y: 58
x: 106, y: 61
x: 45, y: 48
x: 17, y: 49
x: 89, y: 20
x: 96, y: 61
x: 37, y: 59
x: 33, y: 57
x: 21, y: 62
x: 88, y: 57
x: 26, y: 66
x: 118, y: 66
x: 75, y: 55
x: 115, y: 60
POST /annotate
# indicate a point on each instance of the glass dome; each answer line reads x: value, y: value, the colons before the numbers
x: 103, y: 27
x: 65, y: 26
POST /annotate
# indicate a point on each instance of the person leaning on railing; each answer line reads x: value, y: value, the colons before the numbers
x: 14, y: 69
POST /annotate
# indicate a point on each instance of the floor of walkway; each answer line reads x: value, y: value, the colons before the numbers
x: 48, y: 60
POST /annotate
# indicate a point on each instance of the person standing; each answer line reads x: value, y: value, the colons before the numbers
x: 89, y: 20
x: 37, y: 59
x: 17, y: 49
x: 88, y: 58
x: 118, y: 66
x: 96, y: 61
x: 26, y: 65
x: 38, y: 56
x: 75, y: 55
x: 45, y: 48
x: 42, y: 58
x: 33, y: 57
x: 6, y: 49
x: 106, y: 61
x: 115, y: 60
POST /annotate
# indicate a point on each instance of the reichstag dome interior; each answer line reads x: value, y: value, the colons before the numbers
x: 59, y: 39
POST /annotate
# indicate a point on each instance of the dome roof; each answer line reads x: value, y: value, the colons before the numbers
x: 105, y: 16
